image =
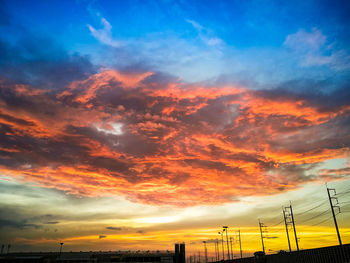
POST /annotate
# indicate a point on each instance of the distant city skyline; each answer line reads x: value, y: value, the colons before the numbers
x: 141, y: 124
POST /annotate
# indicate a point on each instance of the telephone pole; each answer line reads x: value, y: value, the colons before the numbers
x: 332, y: 207
x: 61, y: 244
x: 240, y: 243
x: 222, y: 243
x: 286, y: 224
x: 225, y: 229
x: 288, y: 212
x: 231, y: 248
x: 261, y: 226
x: 295, y: 232
x: 217, y: 247
x: 205, y: 251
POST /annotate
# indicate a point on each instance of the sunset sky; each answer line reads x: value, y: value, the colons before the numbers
x: 139, y: 124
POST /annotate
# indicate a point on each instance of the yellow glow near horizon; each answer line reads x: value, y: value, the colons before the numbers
x: 157, y: 220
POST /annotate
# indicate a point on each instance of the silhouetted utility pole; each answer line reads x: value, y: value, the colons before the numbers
x: 286, y: 224
x: 8, y: 248
x: 205, y: 251
x: 199, y: 256
x: 240, y: 243
x: 61, y: 248
x: 262, y: 226
x: 231, y: 248
x: 290, y: 220
x: 225, y: 229
x: 295, y: 232
x: 216, y: 251
x: 332, y: 207
x: 217, y: 247
x: 222, y: 243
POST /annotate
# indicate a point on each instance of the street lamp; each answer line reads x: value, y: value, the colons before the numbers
x: 225, y: 228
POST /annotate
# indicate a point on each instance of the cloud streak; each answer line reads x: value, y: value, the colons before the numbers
x: 104, y: 35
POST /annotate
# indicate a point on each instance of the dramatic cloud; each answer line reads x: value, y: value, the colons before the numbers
x: 165, y: 142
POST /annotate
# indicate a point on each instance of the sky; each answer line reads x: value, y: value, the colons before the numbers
x: 133, y: 125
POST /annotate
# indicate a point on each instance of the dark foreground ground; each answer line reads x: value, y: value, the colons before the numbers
x: 334, y: 254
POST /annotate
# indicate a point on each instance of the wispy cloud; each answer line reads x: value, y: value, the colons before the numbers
x: 104, y: 35
x: 313, y: 49
x: 114, y: 228
x: 206, y: 35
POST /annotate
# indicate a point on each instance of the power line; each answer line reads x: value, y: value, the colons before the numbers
x: 342, y: 193
x: 313, y: 208
x: 318, y: 215
x: 346, y: 202
x: 326, y: 219
x: 277, y: 223
x: 322, y: 221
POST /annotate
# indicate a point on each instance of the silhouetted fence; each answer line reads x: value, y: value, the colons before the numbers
x: 334, y: 254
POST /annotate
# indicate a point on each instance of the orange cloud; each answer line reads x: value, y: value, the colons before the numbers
x: 167, y: 143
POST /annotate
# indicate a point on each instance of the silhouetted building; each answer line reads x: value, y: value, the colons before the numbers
x: 180, y: 254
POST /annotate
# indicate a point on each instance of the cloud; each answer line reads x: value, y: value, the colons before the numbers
x: 206, y: 35
x: 104, y: 35
x: 176, y: 143
x: 52, y: 222
x: 39, y: 61
x: 15, y: 224
x: 313, y: 49
x: 113, y: 228
x: 306, y: 41
x: 335, y: 174
x: 102, y: 236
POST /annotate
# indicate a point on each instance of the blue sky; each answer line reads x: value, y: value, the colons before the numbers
x: 199, y: 40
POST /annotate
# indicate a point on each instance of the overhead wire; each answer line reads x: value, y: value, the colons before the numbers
x: 313, y: 217
x: 342, y: 193
x: 313, y: 208
x: 322, y: 221
x: 276, y: 223
x: 268, y: 221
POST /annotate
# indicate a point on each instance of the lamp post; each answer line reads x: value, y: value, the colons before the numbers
x: 222, y: 243
x: 225, y: 228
